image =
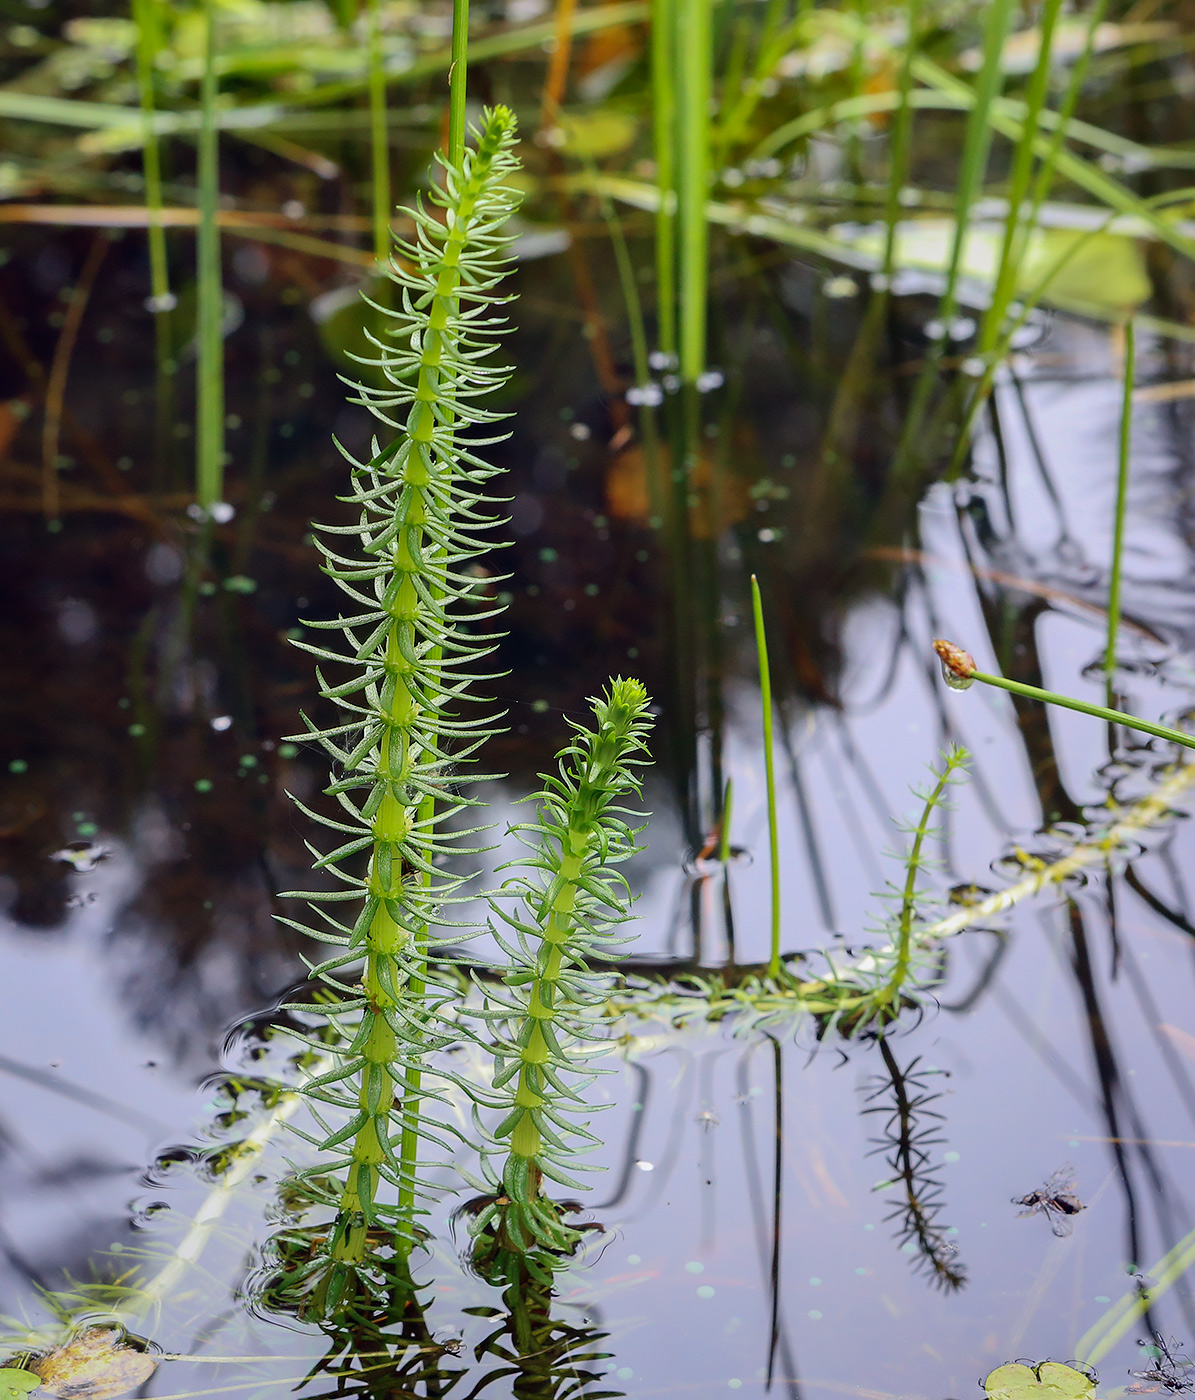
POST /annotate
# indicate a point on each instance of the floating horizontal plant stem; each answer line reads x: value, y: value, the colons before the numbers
x: 959, y: 671
x: 552, y: 922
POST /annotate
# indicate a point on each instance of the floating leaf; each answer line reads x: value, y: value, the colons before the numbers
x: 15, y: 1384
x: 1052, y: 1380
x: 96, y: 1364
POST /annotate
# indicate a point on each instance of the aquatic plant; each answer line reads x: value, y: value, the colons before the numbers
x: 769, y: 761
x: 959, y: 671
x: 893, y: 970
x: 209, y: 279
x: 1124, y: 444
x: 561, y: 913
x: 910, y: 1132
x: 422, y: 517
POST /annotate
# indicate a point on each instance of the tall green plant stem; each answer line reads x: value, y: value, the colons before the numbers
x: 392, y: 824
x: 976, y: 146
x: 663, y: 97
x: 886, y: 1001
x: 902, y: 140
x: 210, y: 358
x: 421, y: 518
x: 458, y: 80
x: 1018, y: 226
x: 413, y: 1074
x: 379, y: 134
x: 562, y: 913
x: 694, y: 59
x: 145, y: 16
x: 1124, y: 445
x: 961, y: 670
x: 769, y: 760
x: 603, y: 763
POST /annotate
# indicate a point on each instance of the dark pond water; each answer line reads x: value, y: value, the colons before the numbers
x: 780, y: 1211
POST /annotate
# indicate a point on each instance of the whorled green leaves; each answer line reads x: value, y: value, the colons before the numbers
x: 557, y: 917
x: 403, y: 665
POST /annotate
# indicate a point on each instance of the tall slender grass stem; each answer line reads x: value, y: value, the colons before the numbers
x: 769, y: 759
x: 1122, y: 491
x: 210, y: 338
x: 458, y: 76
x: 663, y: 97
x: 379, y: 135
x: 694, y: 54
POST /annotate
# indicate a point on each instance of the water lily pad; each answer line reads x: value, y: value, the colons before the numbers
x: 96, y: 1364
x: 15, y: 1383
x: 1052, y: 1380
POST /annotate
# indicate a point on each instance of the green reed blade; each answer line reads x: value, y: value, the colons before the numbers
x: 379, y: 135
x: 146, y: 18
x: 959, y: 669
x: 209, y: 278
x: 694, y: 61
x: 1006, y: 116
x: 1122, y: 491
x: 902, y: 138
x: 457, y: 80
x: 976, y: 143
x: 663, y: 97
x: 1029, y: 302
x: 765, y: 692
x: 724, y: 847
x: 973, y: 165
x: 1131, y: 1307
x: 1017, y: 231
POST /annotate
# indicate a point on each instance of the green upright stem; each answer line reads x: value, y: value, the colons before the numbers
x: 976, y: 146
x: 379, y: 135
x: 663, y: 91
x: 695, y: 62
x: 405, y: 719
x: 458, y: 80
x: 765, y: 689
x: 902, y: 136
x: 417, y: 987
x: 1122, y: 491
x: 908, y: 903
x: 1019, y: 222
x: 573, y: 856
x: 210, y: 359
x: 145, y: 18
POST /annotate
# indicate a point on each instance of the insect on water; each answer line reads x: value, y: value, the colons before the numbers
x: 1171, y: 1371
x: 1056, y: 1200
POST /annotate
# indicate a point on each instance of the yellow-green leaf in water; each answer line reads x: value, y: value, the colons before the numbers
x: 15, y: 1384
x: 1050, y: 1381
x: 95, y: 1364
x: 597, y: 134
x: 1104, y: 276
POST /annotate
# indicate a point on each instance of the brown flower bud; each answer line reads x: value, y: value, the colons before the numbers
x: 958, y: 666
